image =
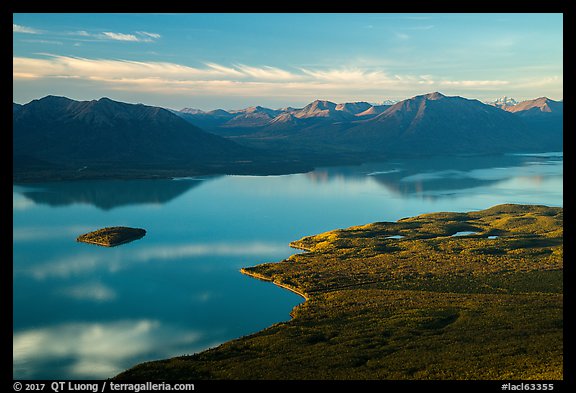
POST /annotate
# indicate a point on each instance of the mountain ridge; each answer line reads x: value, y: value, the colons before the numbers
x: 59, y: 133
x: 103, y: 138
x: 430, y: 123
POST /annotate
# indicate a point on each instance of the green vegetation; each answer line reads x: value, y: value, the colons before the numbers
x: 112, y: 236
x: 426, y: 306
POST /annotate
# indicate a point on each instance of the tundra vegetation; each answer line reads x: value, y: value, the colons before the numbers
x: 427, y: 305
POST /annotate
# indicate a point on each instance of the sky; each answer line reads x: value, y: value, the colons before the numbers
x: 233, y: 61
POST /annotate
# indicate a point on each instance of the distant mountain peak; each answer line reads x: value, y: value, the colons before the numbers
x: 434, y: 96
x: 317, y: 108
x: 257, y: 108
x: 191, y: 111
x: 541, y: 105
x: 322, y: 104
x: 503, y: 102
x: 53, y: 99
x: 353, y: 107
x: 65, y: 133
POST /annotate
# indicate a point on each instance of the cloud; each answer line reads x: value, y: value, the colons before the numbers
x: 81, y: 33
x: 351, y: 75
x: 401, y: 36
x: 239, y: 80
x: 474, y: 83
x: 151, y: 35
x: 139, y: 36
x: 120, y: 36
x: 51, y: 42
x: 24, y: 29
x: 103, y: 69
x: 225, y: 71
x: 268, y: 73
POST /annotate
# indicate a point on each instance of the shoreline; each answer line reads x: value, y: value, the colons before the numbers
x: 439, y: 314
x: 285, y: 286
x: 109, y: 245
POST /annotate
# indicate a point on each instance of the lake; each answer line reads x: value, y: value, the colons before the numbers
x: 87, y: 312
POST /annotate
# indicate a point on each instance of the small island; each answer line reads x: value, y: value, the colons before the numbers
x: 112, y: 236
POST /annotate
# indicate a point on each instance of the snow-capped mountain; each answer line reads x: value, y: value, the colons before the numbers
x: 503, y: 102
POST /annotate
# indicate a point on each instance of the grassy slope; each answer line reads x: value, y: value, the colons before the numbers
x: 427, y: 306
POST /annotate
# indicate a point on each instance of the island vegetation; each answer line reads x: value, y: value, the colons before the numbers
x: 112, y: 236
x: 408, y: 300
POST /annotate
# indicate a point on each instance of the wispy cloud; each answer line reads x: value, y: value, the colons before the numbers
x: 51, y: 42
x: 237, y: 79
x: 350, y: 75
x: 421, y: 27
x: 24, y: 29
x: 138, y: 36
x: 268, y: 73
x: 474, y: 83
x: 402, y: 36
x: 225, y: 71
x: 151, y: 35
x: 120, y: 36
x: 81, y: 33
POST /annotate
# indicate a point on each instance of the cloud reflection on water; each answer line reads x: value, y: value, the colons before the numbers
x: 35, y: 233
x: 92, y: 291
x: 99, y: 350
x: 115, y: 259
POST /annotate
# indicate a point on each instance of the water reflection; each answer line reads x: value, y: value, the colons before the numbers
x: 83, y: 311
x: 433, y: 177
x: 427, y: 177
x: 107, y: 194
x: 37, y: 232
x: 97, y: 349
x: 91, y: 291
x: 115, y: 260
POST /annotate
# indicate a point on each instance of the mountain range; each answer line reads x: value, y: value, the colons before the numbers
x: 101, y: 138
x: 257, y: 116
x: 107, y: 137
x: 426, y: 124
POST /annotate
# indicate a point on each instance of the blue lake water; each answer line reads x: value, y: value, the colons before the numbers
x: 87, y: 312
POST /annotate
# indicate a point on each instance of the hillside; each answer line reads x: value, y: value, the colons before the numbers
x: 538, y: 107
x: 56, y: 137
x: 473, y: 296
x: 100, y: 138
x: 440, y: 124
x: 428, y: 124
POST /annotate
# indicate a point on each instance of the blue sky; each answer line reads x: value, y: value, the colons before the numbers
x: 233, y: 61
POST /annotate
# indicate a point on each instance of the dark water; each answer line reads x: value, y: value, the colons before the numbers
x: 83, y: 311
